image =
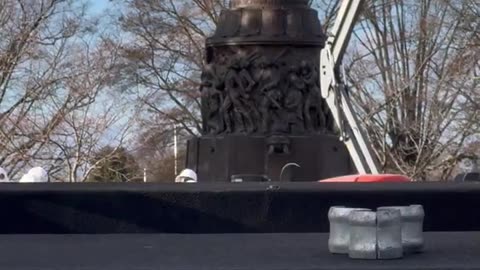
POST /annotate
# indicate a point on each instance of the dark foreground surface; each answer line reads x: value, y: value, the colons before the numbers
x: 222, y: 208
x: 453, y: 250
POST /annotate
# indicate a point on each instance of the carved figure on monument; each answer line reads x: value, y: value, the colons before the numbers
x: 272, y: 110
x: 294, y: 102
x: 314, y: 114
x: 212, y: 99
x: 268, y: 79
x: 237, y: 107
x: 266, y: 74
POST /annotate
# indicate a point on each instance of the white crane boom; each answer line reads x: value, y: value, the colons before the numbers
x: 334, y: 90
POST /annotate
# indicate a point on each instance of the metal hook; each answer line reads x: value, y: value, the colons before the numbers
x: 286, y: 166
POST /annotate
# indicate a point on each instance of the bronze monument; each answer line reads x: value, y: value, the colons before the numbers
x: 261, y: 101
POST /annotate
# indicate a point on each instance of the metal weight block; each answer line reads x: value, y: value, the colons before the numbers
x: 339, y: 237
x: 412, y: 227
x: 389, y: 234
x: 363, y: 234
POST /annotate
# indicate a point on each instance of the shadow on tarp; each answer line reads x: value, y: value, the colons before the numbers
x: 222, y: 207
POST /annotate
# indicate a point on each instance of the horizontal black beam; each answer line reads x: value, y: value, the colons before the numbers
x: 222, y: 208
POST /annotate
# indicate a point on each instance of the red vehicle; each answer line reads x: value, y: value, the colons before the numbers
x: 367, y: 178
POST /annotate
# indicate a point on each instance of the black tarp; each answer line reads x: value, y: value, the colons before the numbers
x: 222, y: 207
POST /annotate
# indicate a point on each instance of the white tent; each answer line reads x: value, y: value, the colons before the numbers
x: 35, y: 175
x: 186, y: 176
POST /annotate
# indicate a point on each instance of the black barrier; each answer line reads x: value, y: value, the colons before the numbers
x: 222, y: 208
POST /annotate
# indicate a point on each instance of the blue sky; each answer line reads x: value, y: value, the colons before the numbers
x: 98, y: 6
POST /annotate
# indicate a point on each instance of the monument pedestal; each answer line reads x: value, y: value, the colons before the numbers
x: 217, y: 158
x: 261, y: 101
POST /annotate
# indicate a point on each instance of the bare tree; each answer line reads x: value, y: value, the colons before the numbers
x: 155, y: 152
x: 54, y: 69
x: 412, y: 67
x: 327, y: 10
x: 164, y: 55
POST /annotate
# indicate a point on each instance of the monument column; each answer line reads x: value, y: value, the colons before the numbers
x: 261, y: 101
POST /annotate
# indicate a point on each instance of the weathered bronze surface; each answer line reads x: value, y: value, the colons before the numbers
x: 261, y: 81
x: 263, y: 90
x: 261, y: 74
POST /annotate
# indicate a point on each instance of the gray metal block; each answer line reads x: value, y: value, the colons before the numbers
x: 363, y: 230
x: 339, y: 238
x: 389, y: 234
x: 412, y: 227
